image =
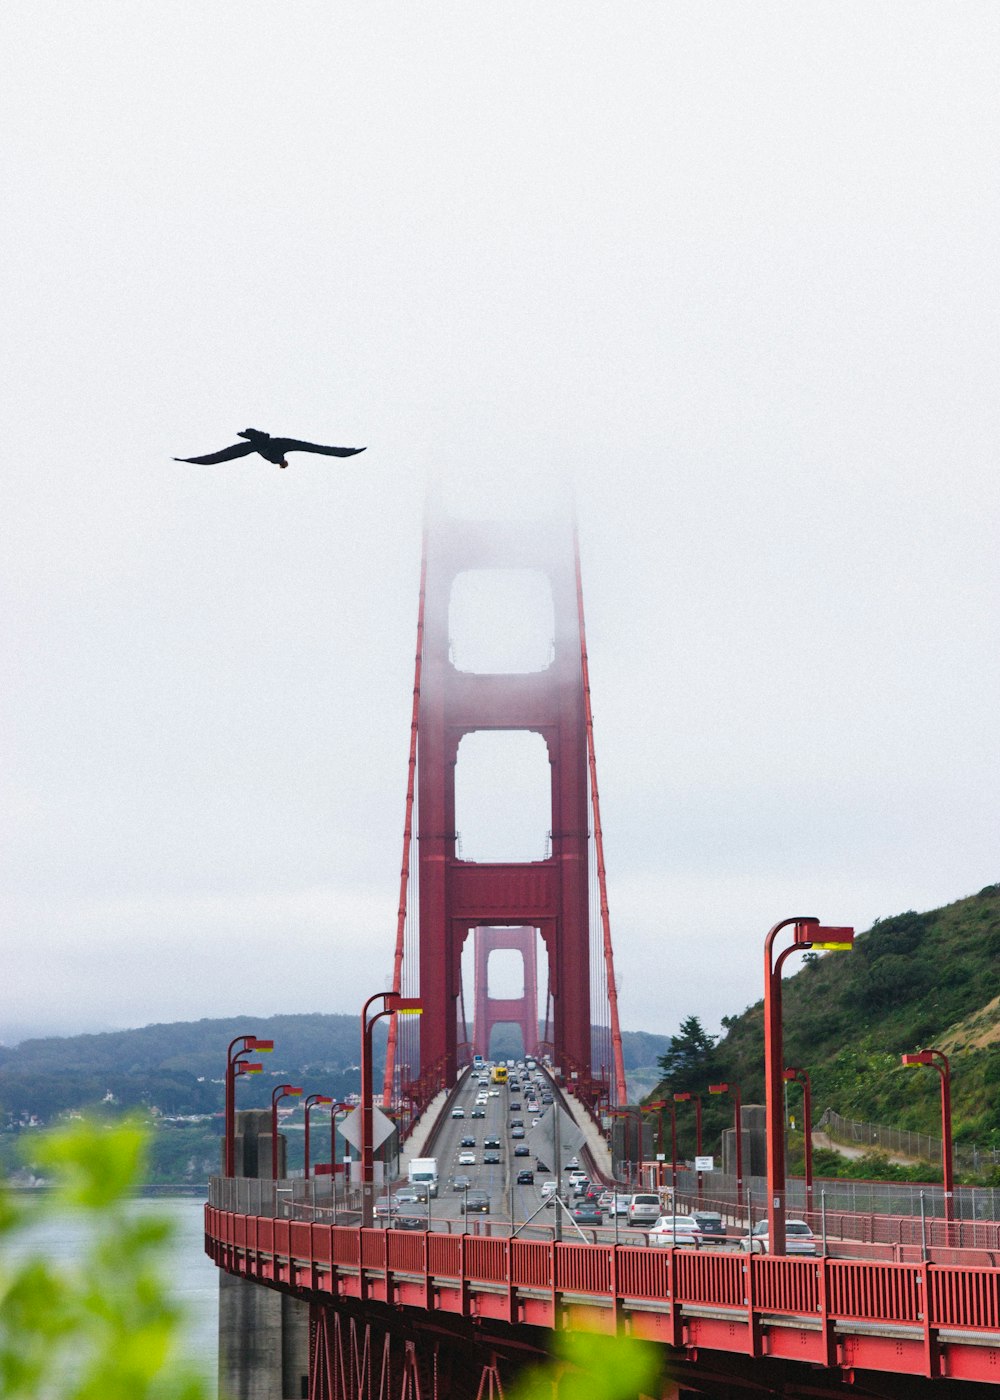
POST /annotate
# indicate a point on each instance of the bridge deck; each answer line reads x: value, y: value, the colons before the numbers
x: 917, y: 1319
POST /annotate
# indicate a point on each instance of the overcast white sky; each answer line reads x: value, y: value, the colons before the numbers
x: 731, y: 268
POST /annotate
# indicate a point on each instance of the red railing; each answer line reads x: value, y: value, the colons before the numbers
x: 921, y: 1298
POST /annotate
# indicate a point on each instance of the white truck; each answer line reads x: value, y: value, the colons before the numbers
x: 424, y: 1172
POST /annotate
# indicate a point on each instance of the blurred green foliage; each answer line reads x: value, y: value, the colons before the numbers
x: 104, y: 1327
x: 594, y: 1366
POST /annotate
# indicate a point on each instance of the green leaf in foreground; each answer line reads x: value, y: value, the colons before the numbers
x: 106, y: 1327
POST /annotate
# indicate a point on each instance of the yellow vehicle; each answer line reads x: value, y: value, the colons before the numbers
x: 499, y: 1075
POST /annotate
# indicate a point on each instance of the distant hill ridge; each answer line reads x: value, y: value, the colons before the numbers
x: 177, y: 1067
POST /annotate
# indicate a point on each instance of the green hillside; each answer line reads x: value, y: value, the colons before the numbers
x: 912, y: 981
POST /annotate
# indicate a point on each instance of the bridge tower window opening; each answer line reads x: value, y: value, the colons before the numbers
x: 503, y: 796
x: 501, y: 622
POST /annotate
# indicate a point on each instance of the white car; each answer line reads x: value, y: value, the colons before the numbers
x: 619, y: 1206
x: 675, y: 1231
x: 799, y: 1239
x: 466, y: 1159
x: 458, y: 1113
x: 548, y: 1188
x: 494, y: 1093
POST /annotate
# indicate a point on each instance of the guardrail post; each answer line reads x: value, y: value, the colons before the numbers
x: 756, y: 1347
x: 932, y: 1351
x: 825, y: 1320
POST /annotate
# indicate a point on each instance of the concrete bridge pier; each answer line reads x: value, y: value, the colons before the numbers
x: 263, y: 1334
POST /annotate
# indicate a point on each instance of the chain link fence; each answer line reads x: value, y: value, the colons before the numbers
x: 920, y: 1146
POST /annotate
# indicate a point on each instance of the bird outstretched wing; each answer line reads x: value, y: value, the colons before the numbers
x: 294, y: 445
x: 238, y: 449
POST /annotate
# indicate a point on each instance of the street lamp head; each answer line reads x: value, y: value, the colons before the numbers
x: 321, y: 1098
x: 825, y: 938
x: 790, y: 1074
x: 682, y: 1098
x: 241, y: 1067
x: 921, y: 1057
x: 718, y: 1088
x: 259, y: 1047
x: 403, y: 1006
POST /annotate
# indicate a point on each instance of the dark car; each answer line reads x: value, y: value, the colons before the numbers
x: 587, y: 1213
x: 491, y: 1159
x: 491, y: 1142
x: 467, y: 1142
x: 517, y: 1122
x: 540, y: 1166
x: 546, y: 1098
x: 478, y: 1113
x: 459, y: 1183
x: 711, y: 1224
x: 522, y: 1150
x: 476, y: 1201
x: 526, y: 1177
x: 412, y: 1220
x: 515, y: 1108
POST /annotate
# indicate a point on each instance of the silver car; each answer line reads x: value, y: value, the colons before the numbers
x: 799, y: 1239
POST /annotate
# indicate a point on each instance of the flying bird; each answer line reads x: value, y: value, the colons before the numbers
x: 272, y: 449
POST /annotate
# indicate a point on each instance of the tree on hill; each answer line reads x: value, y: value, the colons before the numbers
x: 691, y: 1061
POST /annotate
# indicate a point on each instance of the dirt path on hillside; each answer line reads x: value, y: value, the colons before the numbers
x: 853, y: 1153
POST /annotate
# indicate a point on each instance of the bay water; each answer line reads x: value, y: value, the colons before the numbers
x: 193, y: 1278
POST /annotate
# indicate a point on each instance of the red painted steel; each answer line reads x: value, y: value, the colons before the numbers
x: 456, y: 896
x: 817, y: 1301
x: 495, y: 1011
x: 404, y: 873
x: 620, y: 1088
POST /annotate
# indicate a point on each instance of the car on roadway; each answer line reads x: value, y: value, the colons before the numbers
x: 546, y: 1098
x: 410, y: 1219
x: 526, y: 1177
x: 458, y: 1113
x: 517, y: 1133
x: 477, y: 1201
x: 515, y: 1108
x: 491, y: 1159
x: 643, y: 1208
x: 522, y: 1150
x: 466, y: 1159
x: 573, y: 1165
x: 494, y: 1093
x: 468, y: 1141
x: 711, y: 1224
x: 799, y: 1239
x: 517, y: 1122
x: 384, y: 1207
x: 580, y: 1185
x: 460, y: 1182
x: 587, y: 1213
x: 548, y: 1188
x: 407, y: 1195
x: 619, y: 1206
x: 675, y: 1231
x: 491, y: 1142
x: 478, y: 1113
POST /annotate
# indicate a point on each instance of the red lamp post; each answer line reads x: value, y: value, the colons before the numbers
x: 393, y: 1004
x: 686, y: 1098
x: 236, y: 1064
x: 310, y: 1102
x: 808, y: 933
x: 801, y: 1076
x: 939, y: 1061
x: 281, y: 1091
x: 734, y: 1089
x: 336, y: 1108
x: 657, y: 1106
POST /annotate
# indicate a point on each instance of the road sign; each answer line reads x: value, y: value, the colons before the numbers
x: 382, y: 1126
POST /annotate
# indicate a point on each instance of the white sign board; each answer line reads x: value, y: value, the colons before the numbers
x: 704, y: 1164
x: 350, y: 1128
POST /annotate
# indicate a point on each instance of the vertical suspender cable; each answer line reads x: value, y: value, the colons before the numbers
x: 404, y: 873
x: 620, y: 1091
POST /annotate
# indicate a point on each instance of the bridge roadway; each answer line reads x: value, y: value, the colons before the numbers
x: 730, y: 1325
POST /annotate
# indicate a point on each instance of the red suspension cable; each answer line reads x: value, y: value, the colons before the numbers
x: 404, y: 874
x: 621, y: 1092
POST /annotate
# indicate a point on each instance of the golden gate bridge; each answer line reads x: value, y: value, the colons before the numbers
x: 453, y: 1310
